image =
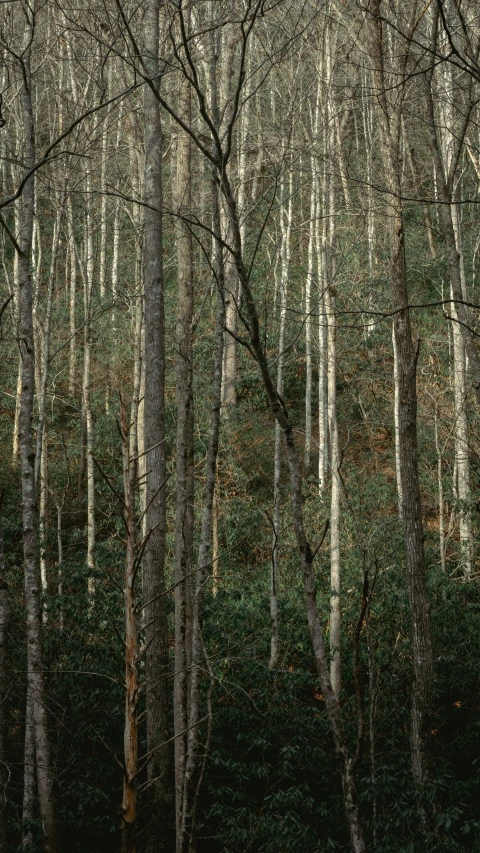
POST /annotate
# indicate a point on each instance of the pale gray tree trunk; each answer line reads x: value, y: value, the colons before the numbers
x: 445, y: 135
x: 329, y: 264
x: 41, y: 465
x: 441, y: 502
x: 368, y: 132
x: 446, y: 180
x: 322, y: 356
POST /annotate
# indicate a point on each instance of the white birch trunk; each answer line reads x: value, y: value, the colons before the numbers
x: 448, y: 143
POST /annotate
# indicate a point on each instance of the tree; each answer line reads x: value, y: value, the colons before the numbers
x: 390, y: 115
x: 154, y: 608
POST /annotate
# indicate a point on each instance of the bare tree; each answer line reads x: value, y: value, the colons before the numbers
x: 390, y: 107
x: 155, y: 616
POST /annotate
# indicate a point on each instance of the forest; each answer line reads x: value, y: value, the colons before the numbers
x: 239, y: 426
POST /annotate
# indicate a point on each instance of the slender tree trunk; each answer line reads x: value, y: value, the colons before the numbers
x: 86, y: 391
x: 35, y: 679
x: 184, y: 453
x: 390, y: 115
x: 285, y: 246
x: 229, y: 381
x: 204, y: 557
x: 308, y: 291
x: 41, y: 463
x: 130, y: 732
x: 190, y: 793
x: 329, y: 263
x: 463, y: 342
x: 277, y: 405
x: 216, y: 571
x: 102, y: 259
x: 322, y: 357
x: 335, y: 572
x: 368, y: 132
x: 72, y: 286
x: 18, y: 393
x: 427, y: 221
x: 445, y: 191
x: 441, y: 506
x: 59, y: 508
x: 396, y: 420
x: 4, y: 766
x: 155, y: 616
x: 28, y: 803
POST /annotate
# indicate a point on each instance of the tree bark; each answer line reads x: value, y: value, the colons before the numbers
x: 35, y: 678
x: 285, y: 247
x: 279, y: 410
x: 390, y: 115
x: 155, y: 616
x: 4, y: 767
x: 444, y: 139
x: 190, y: 793
x: 184, y: 458
x: 130, y: 731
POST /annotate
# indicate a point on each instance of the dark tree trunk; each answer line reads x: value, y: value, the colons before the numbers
x: 159, y: 834
x: 4, y: 770
x: 279, y: 410
x: 184, y: 458
x: 29, y: 502
x: 390, y: 118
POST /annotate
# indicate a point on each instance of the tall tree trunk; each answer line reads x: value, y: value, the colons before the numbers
x: 4, y: 768
x: 35, y: 677
x: 155, y: 615
x: 445, y: 183
x: 444, y: 139
x: 329, y: 263
x: 72, y: 287
x: 184, y: 455
x: 285, y: 245
x: 308, y: 290
x: 396, y: 421
x: 190, y: 793
x: 390, y: 114
x: 279, y: 410
x: 130, y: 731
x: 86, y: 391
x: 322, y: 356
x: 28, y: 802
x: 41, y: 465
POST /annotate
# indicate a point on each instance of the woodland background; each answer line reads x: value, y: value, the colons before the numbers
x: 239, y: 600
